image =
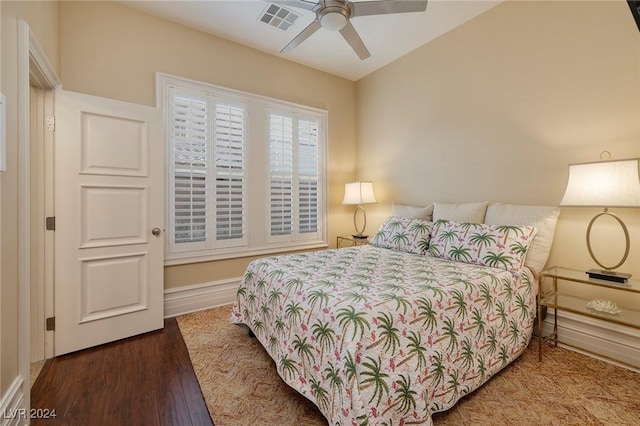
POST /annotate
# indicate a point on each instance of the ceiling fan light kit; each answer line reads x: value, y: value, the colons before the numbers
x: 333, y: 21
x: 335, y: 15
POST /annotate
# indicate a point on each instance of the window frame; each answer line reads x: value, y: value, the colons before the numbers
x: 257, y: 181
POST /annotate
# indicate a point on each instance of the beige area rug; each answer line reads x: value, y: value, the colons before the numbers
x: 241, y: 385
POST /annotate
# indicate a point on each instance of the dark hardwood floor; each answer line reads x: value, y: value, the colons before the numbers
x: 144, y: 380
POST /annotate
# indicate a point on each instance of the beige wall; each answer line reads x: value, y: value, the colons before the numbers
x: 43, y: 19
x: 497, y: 108
x: 113, y: 51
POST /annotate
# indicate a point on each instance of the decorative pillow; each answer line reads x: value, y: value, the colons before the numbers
x: 543, y: 218
x: 412, y: 212
x: 488, y: 245
x: 400, y: 233
x: 466, y: 212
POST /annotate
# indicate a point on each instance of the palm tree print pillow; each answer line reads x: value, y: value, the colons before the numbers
x: 497, y: 246
x: 402, y: 234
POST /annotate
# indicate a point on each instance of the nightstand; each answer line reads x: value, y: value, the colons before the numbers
x: 558, y: 301
x: 350, y: 240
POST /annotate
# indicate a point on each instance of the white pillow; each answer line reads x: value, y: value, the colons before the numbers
x: 465, y: 212
x: 543, y: 218
x: 412, y: 212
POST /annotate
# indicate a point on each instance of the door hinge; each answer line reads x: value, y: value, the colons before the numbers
x: 50, y: 223
x: 51, y: 123
x: 51, y: 324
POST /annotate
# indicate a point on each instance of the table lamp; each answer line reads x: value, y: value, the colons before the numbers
x: 357, y: 194
x: 606, y: 184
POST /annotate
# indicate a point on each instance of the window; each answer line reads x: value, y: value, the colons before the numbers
x: 208, y: 172
x: 246, y: 174
x: 293, y: 175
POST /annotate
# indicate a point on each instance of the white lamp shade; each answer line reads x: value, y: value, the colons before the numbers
x: 358, y: 193
x: 603, y: 184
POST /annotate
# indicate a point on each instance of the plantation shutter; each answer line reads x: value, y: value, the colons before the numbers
x: 246, y: 173
x: 308, y: 175
x: 190, y: 162
x: 280, y: 174
x: 208, y: 175
x: 294, y: 177
x: 230, y: 188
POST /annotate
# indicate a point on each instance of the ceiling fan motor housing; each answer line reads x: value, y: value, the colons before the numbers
x: 333, y: 14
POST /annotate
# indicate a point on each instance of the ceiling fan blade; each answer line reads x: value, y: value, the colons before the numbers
x: 304, y: 34
x: 301, y: 4
x: 367, y: 8
x: 349, y: 33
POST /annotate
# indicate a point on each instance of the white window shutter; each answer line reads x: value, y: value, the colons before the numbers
x: 230, y: 187
x: 190, y: 162
x: 308, y: 175
x: 280, y: 174
x: 294, y: 177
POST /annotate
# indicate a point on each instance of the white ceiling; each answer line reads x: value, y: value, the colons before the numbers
x: 387, y: 37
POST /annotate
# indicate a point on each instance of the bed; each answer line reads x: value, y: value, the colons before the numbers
x: 392, y: 332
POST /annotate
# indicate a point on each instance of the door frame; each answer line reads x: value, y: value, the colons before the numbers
x: 32, y: 63
x: 42, y: 249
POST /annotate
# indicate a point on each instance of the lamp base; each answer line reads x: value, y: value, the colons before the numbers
x: 617, y: 277
x: 360, y: 236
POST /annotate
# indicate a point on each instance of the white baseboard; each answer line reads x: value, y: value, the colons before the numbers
x: 12, y: 409
x: 192, y: 298
x: 611, y: 340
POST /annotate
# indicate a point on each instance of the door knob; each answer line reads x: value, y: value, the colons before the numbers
x: 156, y: 231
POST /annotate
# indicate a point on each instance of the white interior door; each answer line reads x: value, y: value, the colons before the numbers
x: 109, y: 202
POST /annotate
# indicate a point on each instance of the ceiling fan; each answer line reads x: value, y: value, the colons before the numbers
x: 335, y: 15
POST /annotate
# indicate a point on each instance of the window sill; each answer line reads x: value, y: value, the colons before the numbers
x: 195, y: 257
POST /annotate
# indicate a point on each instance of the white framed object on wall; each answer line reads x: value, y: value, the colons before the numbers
x: 3, y: 133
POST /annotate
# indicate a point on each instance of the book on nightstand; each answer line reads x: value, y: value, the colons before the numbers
x: 616, y: 277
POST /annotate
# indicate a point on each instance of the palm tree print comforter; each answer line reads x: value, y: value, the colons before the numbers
x: 380, y: 337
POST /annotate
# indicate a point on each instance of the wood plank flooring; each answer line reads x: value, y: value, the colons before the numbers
x: 144, y: 380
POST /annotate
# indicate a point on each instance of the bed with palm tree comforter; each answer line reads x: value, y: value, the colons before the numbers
x: 383, y: 336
